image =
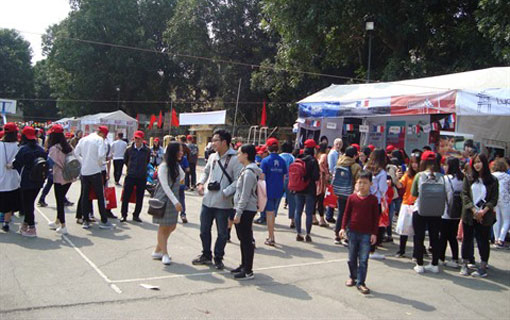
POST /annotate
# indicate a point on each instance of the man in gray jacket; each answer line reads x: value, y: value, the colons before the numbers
x: 219, y: 182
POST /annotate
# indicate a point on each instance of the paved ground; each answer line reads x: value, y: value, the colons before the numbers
x: 97, y: 274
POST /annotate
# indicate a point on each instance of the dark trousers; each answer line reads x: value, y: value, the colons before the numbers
x: 60, y: 197
x: 191, y: 176
x: 94, y: 182
x: 420, y: 224
x: 28, y: 200
x: 306, y: 202
x: 129, y: 183
x: 207, y: 217
x: 182, y: 201
x: 448, y: 234
x: 341, y: 208
x: 117, y: 169
x: 402, y: 245
x: 482, y: 234
x: 47, y: 187
x: 320, y: 204
x: 244, y: 230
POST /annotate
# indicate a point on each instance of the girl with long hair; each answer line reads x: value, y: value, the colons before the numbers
x: 480, y: 191
x: 170, y: 175
x: 502, y: 224
x: 58, y: 149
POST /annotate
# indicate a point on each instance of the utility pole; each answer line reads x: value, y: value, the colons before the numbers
x: 237, y: 105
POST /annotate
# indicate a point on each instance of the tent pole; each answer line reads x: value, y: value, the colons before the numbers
x: 237, y: 104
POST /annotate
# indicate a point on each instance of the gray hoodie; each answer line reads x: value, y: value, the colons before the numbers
x: 221, y: 199
x: 246, y: 189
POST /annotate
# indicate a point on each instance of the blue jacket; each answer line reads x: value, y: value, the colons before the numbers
x: 136, y: 161
x: 24, y: 161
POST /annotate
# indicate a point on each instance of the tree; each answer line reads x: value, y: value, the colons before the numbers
x: 16, y: 75
x: 44, y: 107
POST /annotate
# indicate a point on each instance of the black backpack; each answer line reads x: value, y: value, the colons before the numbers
x: 39, y: 170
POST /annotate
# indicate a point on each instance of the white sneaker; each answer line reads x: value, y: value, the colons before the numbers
x: 53, y: 225
x: 377, y: 256
x: 431, y: 268
x: 157, y: 255
x: 452, y: 264
x: 419, y: 269
x: 166, y: 259
x: 62, y: 230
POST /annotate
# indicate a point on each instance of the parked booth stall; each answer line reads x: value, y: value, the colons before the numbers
x: 410, y: 114
x: 116, y: 121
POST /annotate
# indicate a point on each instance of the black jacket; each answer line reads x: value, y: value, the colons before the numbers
x: 24, y: 161
x: 136, y: 161
x: 312, y: 174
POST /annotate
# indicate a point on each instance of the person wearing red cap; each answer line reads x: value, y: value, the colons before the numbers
x: 31, y: 162
x: 390, y: 148
x: 355, y: 145
x: 429, y: 212
x: 191, y: 177
x: 371, y: 147
x: 119, y: 147
x: 92, y: 151
x: 136, y: 159
x: 157, y: 153
x: 306, y: 199
x: 9, y: 177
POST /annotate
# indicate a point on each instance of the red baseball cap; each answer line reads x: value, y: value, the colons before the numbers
x: 68, y: 135
x: 271, y: 142
x: 428, y: 155
x: 139, y: 134
x: 103, y: 129
x: 10, y: 127
x: 29, y: 133
x: 156, y: 139
x: 301, y: 151
x: 355, y: 145
x: 310, y: 143
x: 371, y: 147
x: 390, y: 148
x: 189, y: 137
x: 56, y: 128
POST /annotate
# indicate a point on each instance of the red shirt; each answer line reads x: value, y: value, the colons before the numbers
x: 361, y: 214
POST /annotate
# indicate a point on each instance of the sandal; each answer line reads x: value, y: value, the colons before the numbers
x: 269, y: 242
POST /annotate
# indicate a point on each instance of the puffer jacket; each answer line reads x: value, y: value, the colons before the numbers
x: 245, y: 198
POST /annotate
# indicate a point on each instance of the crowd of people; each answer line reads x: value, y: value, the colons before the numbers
x: 374, y: 192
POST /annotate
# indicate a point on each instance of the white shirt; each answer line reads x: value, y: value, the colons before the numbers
x: 9, y: 178
x: 119, y: 147
x: 165, y: 184
x: 479, y: 192
x: 91, y: 151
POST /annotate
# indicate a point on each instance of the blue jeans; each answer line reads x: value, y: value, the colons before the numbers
x: 330, y: 212
x: 359, y: 248
x: 207, y: 216
x: 291, y: 199
x: 307, y: 202
x: 47, y: 188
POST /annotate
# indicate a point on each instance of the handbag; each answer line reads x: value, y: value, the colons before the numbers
x: 330, y: 198
x: 405, y: 221
x: 156, y: 208
x: 110, y: 197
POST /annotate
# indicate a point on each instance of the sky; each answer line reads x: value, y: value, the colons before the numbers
x: 32, y: 16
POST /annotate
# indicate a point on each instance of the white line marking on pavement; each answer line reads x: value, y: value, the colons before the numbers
x: 297, y: 265
x: 92, y: 264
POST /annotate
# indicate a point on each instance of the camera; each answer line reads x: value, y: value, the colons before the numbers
x: 213, y: 186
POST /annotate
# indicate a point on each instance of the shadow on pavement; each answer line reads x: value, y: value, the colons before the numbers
x: 398, y: 299
x: 193, y: 273
x: 41, y: 243
x: 267, y: 284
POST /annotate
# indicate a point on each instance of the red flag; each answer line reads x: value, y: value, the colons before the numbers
x: 175, y: 119
x: 160, y: 120
x: 263, y: 118
x: 151, y: 123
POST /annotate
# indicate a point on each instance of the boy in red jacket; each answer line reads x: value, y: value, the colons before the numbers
x: 361, y: 217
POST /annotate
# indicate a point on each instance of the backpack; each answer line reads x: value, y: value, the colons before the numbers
x: 297, y: 176
x: 342, y: 182
x: 432, y: 194
x: 455, y: 206
x: 72, y: 167
x: 39, y: 170
x: 261, y: 192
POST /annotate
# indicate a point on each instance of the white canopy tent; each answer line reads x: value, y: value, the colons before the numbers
x: 476, y: 98
x: 116, y: 121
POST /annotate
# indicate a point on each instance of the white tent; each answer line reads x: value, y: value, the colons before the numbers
x: 117, y: 121
x: 476, y: 97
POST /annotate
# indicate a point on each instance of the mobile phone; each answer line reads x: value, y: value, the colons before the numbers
x: 481, y: 203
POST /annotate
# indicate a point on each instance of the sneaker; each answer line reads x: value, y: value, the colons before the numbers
x: 137, y: 219
x: 184, y: 219
x: 201, y: 260
x: 106, y: 225
x: 23, y: 228
x: 123, y: 219
x: 345, y: 242
x: 471, y: 265
x: 480, y: 273
x: 30, y: 232
x: 79, y: 221
x: 299, y: 238
x: 92, y: 218
x: 337, y: 240
x: 452, y: 264
x: 377, y: 256
x: 110, y: 215
x: 419, y: 269
x: 431, y: 268
x: 53, y: 225
x: 308, y: 238
x: 41, y: 203
x: 62, y: 230
x: 464, y: 270
x: 399, y: 254
x: 86, y: 225
x: 218, y: 264
x: 331, y: 220
x: 292, y: 225
x: 68, y: 203
x: 363, y: 289
x: 237, y: 270
x: 5, y: 227
x: 244, y: 276
x: 260, y: 221
x: 157, y: 255
x: 166, y: 259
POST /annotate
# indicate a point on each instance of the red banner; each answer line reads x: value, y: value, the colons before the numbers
x: 424, y: 104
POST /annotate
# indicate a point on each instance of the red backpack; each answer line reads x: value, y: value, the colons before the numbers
x: 297, y: 176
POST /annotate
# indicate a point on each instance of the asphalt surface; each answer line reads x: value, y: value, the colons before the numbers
x: 98, y: 274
